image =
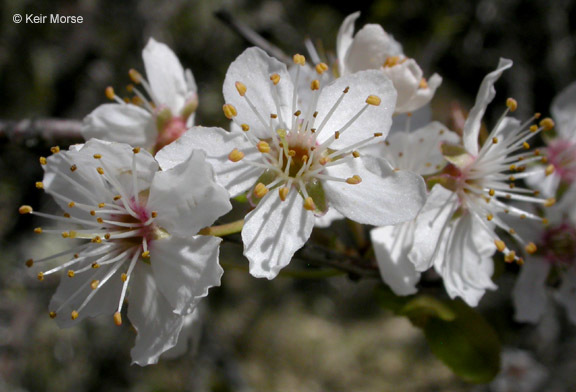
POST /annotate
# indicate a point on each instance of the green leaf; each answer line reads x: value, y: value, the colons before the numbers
x: 421, y: 308
x: 468, y: 344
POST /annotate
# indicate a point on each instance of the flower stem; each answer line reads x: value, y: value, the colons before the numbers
x: 225, y: 229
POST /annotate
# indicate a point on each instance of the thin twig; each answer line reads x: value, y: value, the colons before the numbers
x: 46, y: 129
x: 251, y: 36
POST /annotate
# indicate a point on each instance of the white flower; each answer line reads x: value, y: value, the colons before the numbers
x: 140, y: 225
x: 455, y: 230
x: 301, y: 161
x: 561, y: 151
x: 554, y: 263
x: 419, y: 152
x: 148, y: 122
x: 373, y: 48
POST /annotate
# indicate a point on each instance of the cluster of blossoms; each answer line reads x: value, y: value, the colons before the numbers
x: 307, y: 144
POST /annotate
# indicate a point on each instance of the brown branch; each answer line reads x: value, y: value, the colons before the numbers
x: 51, y: 130
x: 251, y: 36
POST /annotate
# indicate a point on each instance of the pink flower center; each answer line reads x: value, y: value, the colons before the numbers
x: 559, y: 244
x: 172, y: 130
x: 562, y: 154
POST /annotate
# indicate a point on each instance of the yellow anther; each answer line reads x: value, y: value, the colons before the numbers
x: 96, y: 240
x: 537, y: 152
x: 94, y: 284
x: 526, y: 145
x: 110, y: 93
x: 283, y: 192
x: 29, y: 263
x: 512, y: 167
x: 136, y: 150
x: 74, y: 315
x: 550, y: 202
x: 55, y: 150
x: 100, y: 220
x: 117, y: 197
x: 309, y: 204
x: 512, y: 104
x: 291, y: 153
x: 245, y: 127
x: 510, y: 257
x: 297, y: 113
x: 65, y: 234
x: 101, y: 205
x: 533, y: 128
x: 392, y: 61
x: 346, y: 90
x: 124, y: 277
x: 275, y: 78
x: 512, y: 231
x: 355, y: 154
x: 107, y: 236
x: 40, y: 276
x: 39, y: 185
x: 321, y: 68
x: 52, y: 315
x: 315, y: 85
x: 537, y: 115
x: 263, y: 147
x: 38, y: 230
x: 520, y: 261
x: 93, y: 213
x: 241, y: 87
x: 545, y: 221
x: 100, y: 170
x: 146, y: 254
x: 531, y: 248
x: 136, y: 100
x: 491, y: 192
x: 260, y: 190
x: 323, y: 160
x: 544, y: 159
x: 42, y: 160
x: 354, y: 180
x: 523, y: 216
x: 494, y: 140
x: 489, y: 217
x: 135, y: 76
x: 336, y: 135
x: 130, y: 87
x: 95, y: 265
x: 71, y: 204
x: 97, y: 156
x: 118, y: 319
x: 73, y: 168
x: 70, y: 273
x: 25, y: 210
x: 154, y: 214
x: 373, y: 100
x: 299, y: 59
x: 378, y: 134
x: 235, y: 155
x: 229, y: 111
x: 547, y: 124
x: 512, y: 178
x: 500, y: 245
x: 304, y: 158
x: 273, y: 115
x: 549, y: 169
x: 423, y: 83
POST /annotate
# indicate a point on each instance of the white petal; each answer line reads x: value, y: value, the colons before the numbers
x: 326, y: 220
x: 274, y: 231
x: 157, y: 326
x: 406, y: 78
x: 236, y: 177
x: 418, y: 151
x: 430, y: 223
x: 563, y: 109
x: 391, y: 245
x: 467, y: 264
x: 189, y: 335
x: 405, y: 123
x: 385, y: 199
x: 121, y: 123
x: 187, y: 197
x: 485, y: 95
x: 546, y: 184
x: 344, y: 39
x: 185, y: 268
x: 567, y: 293
x: 165, y: 75
x: 370, y: 49
x: 529, y: 294
x: 422, y: 96
x: 374, y: 119
x: 254, y: 68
